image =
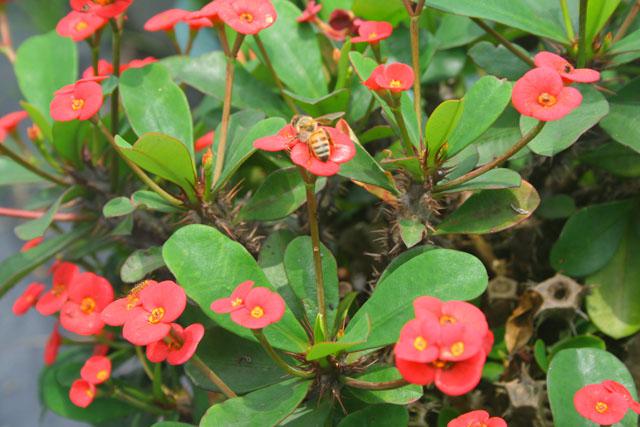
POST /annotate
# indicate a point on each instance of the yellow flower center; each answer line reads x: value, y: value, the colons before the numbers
x: 439, y: 364
x: 103, y: 2
x: 77, y: 104
x: 447, y: 320
x: 132, y: 302
x: 236, y: 302
x: 87, y: 305
x: 156, y: 315
x: 395, y: 84
x: 257, y: 312
x: 373, y: 36
x: 601, y: 407
x: 90, y: 393
x: 81, y: 26
x: 420, y: 343
x: 547, y: 100
x: 246, y: 17
x: 102, y: 375
x: 58, y: 289
x: 457, y: 348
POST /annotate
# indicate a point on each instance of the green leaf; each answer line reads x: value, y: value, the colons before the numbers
x: 614, y: 158
x: 441, y: 125
x: 38, y: 227
x: 441, y: 273
x: 140, y: 263
x: 559, y: 135
x: 327, y: 104
x: 498, y: 60
x: 377, y: 416
x: 495, y: 179
x: 209, y: 265
x: 311, y: 414
x: 119, y: 206
x: 540, y: 354
x: 557, y: 206
x: 12, y: 173
x: 39, y: 119
x: 168, y: 113
x: 627, y: 44
x: 579, y: 341
x: 614, y: 303
x: 483, y: 104
x: 455, y: 31
x: 326, y: 348
x: 625, y: 109
x: 299, y: 264
x: 490, y: 211
x: 397, y: 396
x: 242, y: 364
x: 376, y: 133
x: 266, y: 407
x: 573, y: 369
x: 411, y: 231
x: 171, y: 424
x: 282, y: 193
x: 143, y: 199
x: 43, y: 65
x: 68, y: 139
x: 590, y: 238
x: 598, y: 14
x: 379, y: 10
x: 513, y: 13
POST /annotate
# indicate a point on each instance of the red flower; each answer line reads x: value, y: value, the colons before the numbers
x: 541, y: 94
x: 51, y: 302
x: 138, y: 63
x: 31, y: 244
x: 89, y: 294
x: 565, y: 69
x: 204, y: 141
x: 27, y: 299
x: 419, y: 340
x: 616, y: 387
x: 283, y: 140
x: 342, y: 23
x: 209, y: 11
x: 235, y: 301
x: 10, y: 122
x: 52, y: 346
x: 597, y: 403
x: 177, y: 347
x: 103, y: 8
x: 252, y: 308
x: 119, y: 311
x: 96, y: 370
x: 395, y: 77
x: 195, y: 22
x: 247, y: 16
x: 477, y: 419
x: 81, y: 102
x: 105, y: 69
x: 373, y: 32
x: 79, y: 26
x: 459, y: 342
x: 452, y: 312
x: 165, y: 21
x: 3, y: 134
x: 310, y: 12
x: 82, y: 393
x: 161, y: 304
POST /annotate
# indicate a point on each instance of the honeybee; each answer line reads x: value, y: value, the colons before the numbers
x: 308, y: 130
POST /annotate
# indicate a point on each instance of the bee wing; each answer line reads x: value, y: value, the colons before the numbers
x: 327, y: 119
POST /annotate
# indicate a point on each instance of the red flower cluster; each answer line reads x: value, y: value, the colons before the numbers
x: 79, y: 26
x: 446, y: 344
x: 341, y: 148
x: 33, y: 242
x: 9, y: 123
x: 542, y: 92
x: 253, y: 308
x: 103, y: 8
x: 395, y: 77
x: 244, y: 16
x: 478, y: 418
x: 96, y: 370
x: 105, y: 68
x: 605, y: 403
x: 28, y: 298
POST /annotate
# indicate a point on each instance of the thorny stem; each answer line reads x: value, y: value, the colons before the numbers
x: 495, y: 163
x: 59, y: 217
x: 567, y: 20
x: 6, y: 151
x: 627, y: 21
x: 139, y: 172
x: 267, y: 62
x: 6, y: 46
x: 506, y: 43
x: 115, y: 96
x: 134, y: 401
x: 415, y: 60
x: 213, y: 377
x: 276, y: 357
x: 582, y: 43
x: 366, y: 385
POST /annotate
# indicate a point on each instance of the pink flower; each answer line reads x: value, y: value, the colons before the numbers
x: 195, y: 23
x: 597, y: 403
x: 82, y: 393
x: 118, y: 312
x: 478, y: 418
x: 96, y: 370
x: 310, y: 13
x: 235, y: 301
x: 3, y: 134
x: 342, y: 23
x: 373, y: 32
x: 52, y: 346
x: 419, y: 340
x: 452, y: 312
x: 209, y: 11
x: 63, y: 275
x: 165, y: 21
x: 138, y: 63
x: 247, y: 16
x: 565, y: 69
x: 205, y: 141
x: 27, y: 299
x: 79, y: 26
x: 262, y: 308
x: 105, y: 69
x: 395, y: 77
x: 616, y: 387
x: 89, y: 294
x: 31, y: 244
x: 177, y: 347
x: 285, y: 139
x: 10, y: 122
x: 459, y: 342
x: 541, y: 94
x: 104, y: 8
x: 161, y: 304
x: 81, y: 101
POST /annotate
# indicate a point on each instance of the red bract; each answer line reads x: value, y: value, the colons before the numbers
x: 597, y: 403
x: 373, y: 32
x: 52, y: 346
x: 96, y: 370
x: 27, y: 299
x: 261, y: 308
x: 89, y: 294
x: 209, y: 11
x: 310, y: 12
x: 342, y: 23
x: 119, y: 311
x: 395, y: 77
x: 478, y: 418
x: 165, y: 21
x: 541, y: 94
x: 247, y: 16
x: 105, y: 69
x: 452, y: 312
x: 82, y: 393
x: 616, y: 387
x: 138, y: 63
x: 79, y: 26
x: 161, y: 304
x: 103, y: 8
x: 3, y: 134
x: 177, y: 347
x: 283, y: 140
x: 195, y: 23
x: 419, y: 339
x: 235, y: 301
x: 459, y: 342
x: 80, y: 102
x: 10, y: 122
x: 204, y: 141
x: 565, y: 69
x: 51, y: 302
x: 31, y: 243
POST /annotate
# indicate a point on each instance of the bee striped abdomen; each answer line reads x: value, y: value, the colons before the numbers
x: 320, y: 144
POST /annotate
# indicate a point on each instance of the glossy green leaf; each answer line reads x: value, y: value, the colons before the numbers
x: 627, y: 44
x: 311, y: 414
x: 376, y: 133
x: 490, y: 211
x: 598, y: 14
x: 209, y: 265
x: 150, y: 200
x: 441, y: 273
x: 495, y: 179
x: 579, y: 341
x: 379, y: 10
x: 498, y: 60
x: 68, y: 139
x: 557, y: 206
x: 38, y: 227
x: 540, y: 355
x: 455, y: 30
x: 140, y: 263
x: 590, y: 238
x: 119, y: 206
x: 397, y: 396
x: 169, y: 112
x: 573, y: 369
x: 266, y: 407
x: 412, y: 231
x: 441, y: 125
x: 38, y: 118
x: 12, y: 173
x: 328, y: 104
x: 377, y: 416
x: 625, y: 109
x: 326, y: 348
x: 43, y: 65
x: 614, y: 158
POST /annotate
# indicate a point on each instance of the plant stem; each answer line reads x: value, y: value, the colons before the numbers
x: 139, y: 172
x: 213, y: 377
x: 6, y: 151
x: 495, y: 163
x: 568, y: 25
x: 276, y: 357
x: 6, y: 46
x: 404, y: 132
x: 143, y: 361
x: 267, y: 62
x: 59, y: 217
x: 375, y: 47
x: 415, y: 60
x: 192, y: 38
x: 366, y: 385
x: 627, y: 21
x: 506, y: 43
x: 582, y: 42
x: 134, y: 401
x: 115, y: 96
